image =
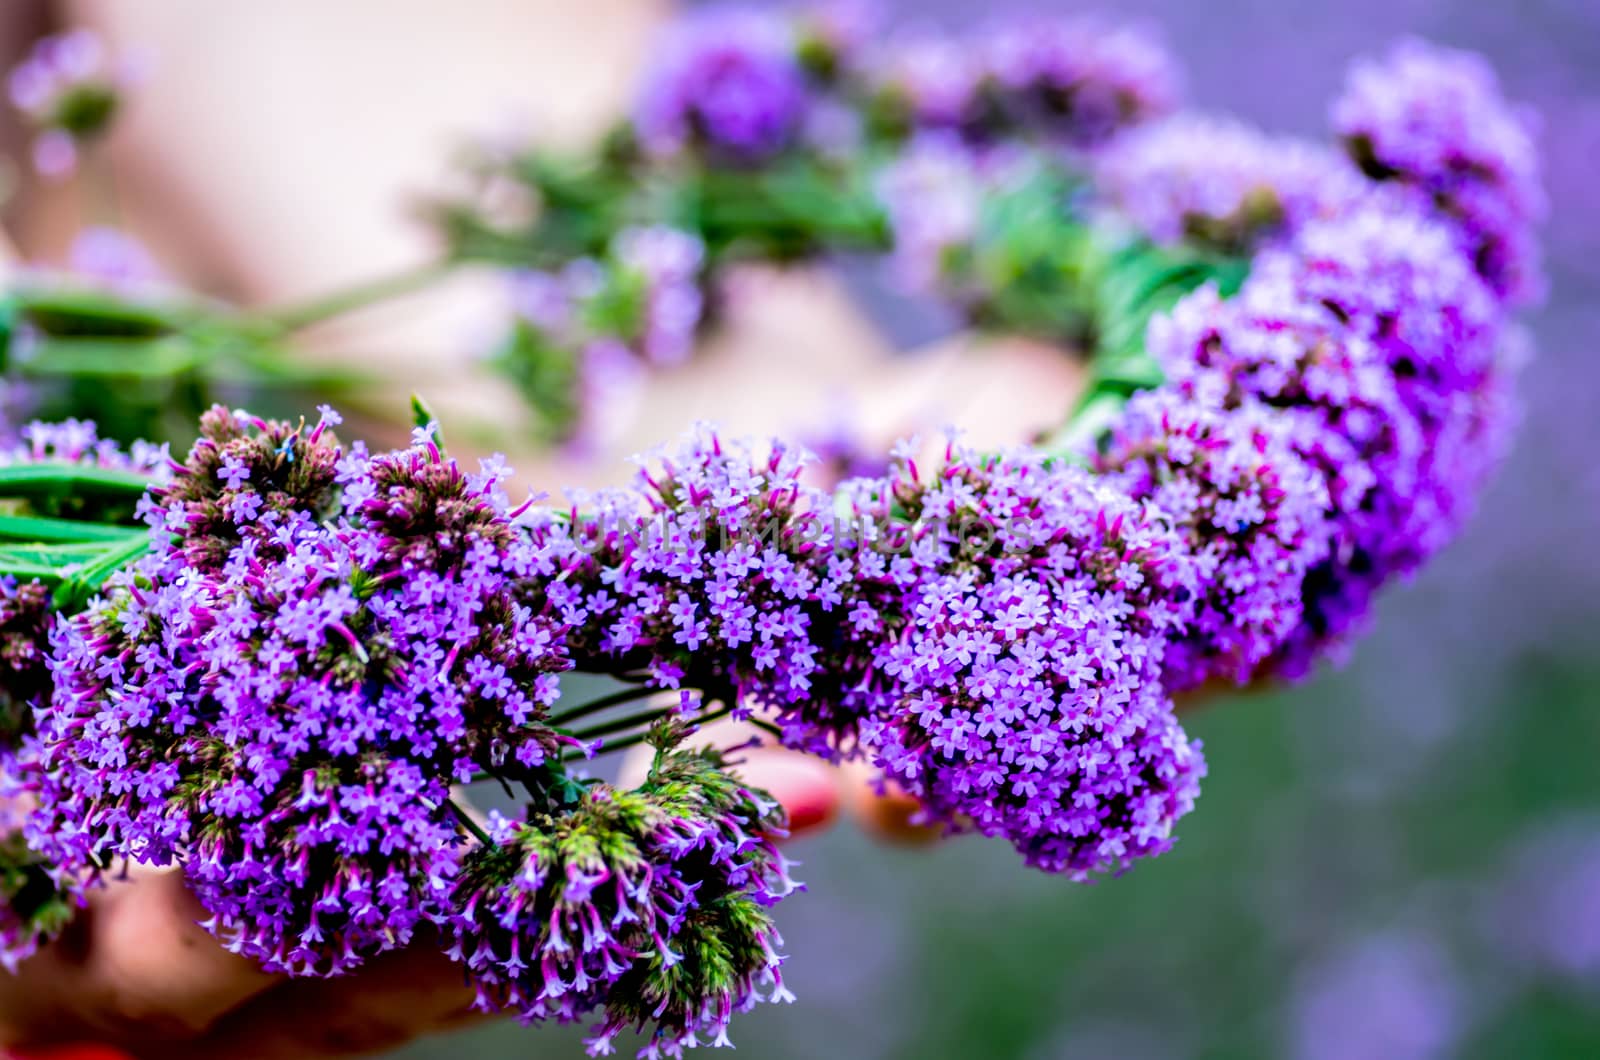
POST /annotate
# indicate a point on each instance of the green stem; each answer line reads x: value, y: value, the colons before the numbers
x: 296, y: 317
x: 622, y: 724
x: 615, y: 699
x: 634, y: 739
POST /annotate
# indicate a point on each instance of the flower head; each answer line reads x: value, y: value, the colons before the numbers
x: 1077, y: 81
x: 1022, y: 670
x: 728, y: 81
x: 649, y: 905
x: 1434, y: 120
x: 280, y: 693
x: 1377, y: 335
x: 1254, y: 512
x: 713, y: 572
x: 1222, y: 183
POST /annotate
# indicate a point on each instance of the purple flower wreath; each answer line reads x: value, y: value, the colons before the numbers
x: 1303, y: 375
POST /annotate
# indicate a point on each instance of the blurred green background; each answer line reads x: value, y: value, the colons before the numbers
x: 1399, y: 860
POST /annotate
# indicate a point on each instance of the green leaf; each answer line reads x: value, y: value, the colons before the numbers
x: 109, y: 358
x: 39, y: 528
x: 423, y: 417
x: 72, y: 311
x: 57, y: 480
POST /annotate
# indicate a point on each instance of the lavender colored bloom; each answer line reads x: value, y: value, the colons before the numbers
x: 1222, y: 183
x: 113, y: 259
x: 650, y: 904
x: 1021, y: 657
x: 279, y: 694
x: 1390, y: 996
x: 1376, y: 331
x: 728, y: 81
x: 932, y: 193
x: 70, y: 89
x: 712, y: 573
x: 1077, y: 81
x: 78, y: 442
x: 1253, y: 511
x: 1434, y: 119
x: 1400, y: 283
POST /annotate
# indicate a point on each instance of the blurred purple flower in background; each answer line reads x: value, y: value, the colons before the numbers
x: 1547, y: 911
x: 1434, y: 118
x: 69, y: 88
x: 1388, y: 996
x: 728, y: 80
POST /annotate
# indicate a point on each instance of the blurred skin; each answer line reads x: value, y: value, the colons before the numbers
x: 269, y: 156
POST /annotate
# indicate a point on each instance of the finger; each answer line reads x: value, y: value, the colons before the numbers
x: 805, y: 786
x: 134, y: 966
x: 883, y: 807
x: 151, y: 970
x: 393, y: 998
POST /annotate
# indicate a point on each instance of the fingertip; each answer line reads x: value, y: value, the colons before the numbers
x: 884, y: 808
x: 806, y: 787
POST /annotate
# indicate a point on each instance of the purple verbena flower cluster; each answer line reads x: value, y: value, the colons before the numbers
x: 1068, y: 82
x: 1222, y: 183
x: 1080, y: 80
x: 1022, y: 662
x: 728, y: 81
x: 1374, y: 329
x: 715, y: 573
x: 1254, y: 514
x: 650, y: 905
x: 278, y: 695
x: 1433, y: 119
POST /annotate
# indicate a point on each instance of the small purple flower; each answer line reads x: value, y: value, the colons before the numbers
x: 1434, y: 119
x: 728, y: 81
